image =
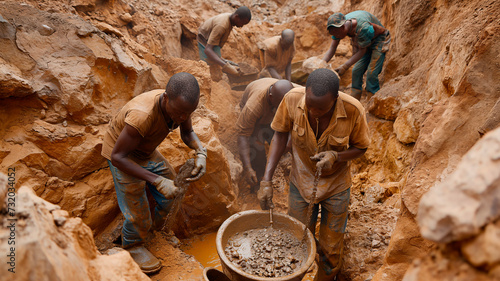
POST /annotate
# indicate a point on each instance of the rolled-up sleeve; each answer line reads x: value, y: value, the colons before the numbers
x: 282, y: 121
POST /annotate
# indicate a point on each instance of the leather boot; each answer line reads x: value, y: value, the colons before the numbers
x: 146, y: 261
x: 356, y: 93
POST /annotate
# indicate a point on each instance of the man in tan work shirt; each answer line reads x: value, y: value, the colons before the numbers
x: 258, y: 105
x: 130, y: 144
x: 276, y: 54
x: 213, y: 34
x: 328, y: 129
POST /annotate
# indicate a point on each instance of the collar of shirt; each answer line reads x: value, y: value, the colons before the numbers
x: 339, y: 112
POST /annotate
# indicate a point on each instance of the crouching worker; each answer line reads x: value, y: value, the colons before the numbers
x: 130, y: 146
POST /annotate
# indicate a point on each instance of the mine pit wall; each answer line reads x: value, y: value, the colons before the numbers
x: 440, y: 80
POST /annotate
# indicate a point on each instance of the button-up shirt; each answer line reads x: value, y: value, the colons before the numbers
x: 347, y: 127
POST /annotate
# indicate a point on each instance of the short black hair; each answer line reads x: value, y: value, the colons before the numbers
x: 183, y: 85
x: 323, y: 81
x: 244, y: 13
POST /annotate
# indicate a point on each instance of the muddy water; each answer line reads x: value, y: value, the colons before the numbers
x: 203, y: 249
x: 266, y: 252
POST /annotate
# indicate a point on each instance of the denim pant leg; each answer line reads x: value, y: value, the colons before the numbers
x: 359, y: 70
x: 374, y: 69
x: 160, y: 166
x: 334, y: 211
x: 133, y: 203
x: 297, y: 208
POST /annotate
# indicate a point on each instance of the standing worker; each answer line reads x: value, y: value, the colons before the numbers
x: 258, y: 105
x: 130, y: 147
x: 328, y: 129
x: 213, y: 34
x: 276, y: 54
x: 369, y: 40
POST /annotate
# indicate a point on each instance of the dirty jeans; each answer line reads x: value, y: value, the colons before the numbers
x: 371, y: 63
x: 133, y: 202
x: 333, y: 224
x: 260, y: 135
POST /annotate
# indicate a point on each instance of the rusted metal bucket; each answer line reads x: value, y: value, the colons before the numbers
x: 253, y: 219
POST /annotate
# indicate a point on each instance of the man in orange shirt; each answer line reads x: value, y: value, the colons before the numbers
x: 130, y: 148
x: 213, y: 34
x: 328, y: 130
x: 276, y: 54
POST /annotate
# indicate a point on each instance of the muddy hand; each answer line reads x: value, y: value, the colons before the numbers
x: 200, y: 165
x: 166, y: 187
x: 265, y: 195
x: 325, y: 159
x: 341, y: 70
x: 252, y: 177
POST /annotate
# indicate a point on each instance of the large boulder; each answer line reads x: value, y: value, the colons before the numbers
x: 463, y: 203
x: 44, y: 243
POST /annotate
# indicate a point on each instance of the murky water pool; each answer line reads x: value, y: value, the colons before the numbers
x: 203, y: 249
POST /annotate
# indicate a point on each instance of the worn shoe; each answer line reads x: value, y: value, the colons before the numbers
x: 146, y: 261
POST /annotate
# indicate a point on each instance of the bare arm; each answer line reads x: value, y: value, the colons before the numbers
x: 350, y: 154
x: 331, y: 51
x: 189, y: 137
x: 212, y: 56
x: 128, y: 141
x: 273, y: 72
x: 278, y: 146
x: 288, y: 71
x: 355, y: 58
x: 244, y: 148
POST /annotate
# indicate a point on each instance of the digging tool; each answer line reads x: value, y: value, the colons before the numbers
x: 311, y: 203
x: 271, y: 217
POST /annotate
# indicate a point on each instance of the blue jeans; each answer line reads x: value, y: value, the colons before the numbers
x: 334, y: 212
x: 133, y: 201
x: 371, y: 63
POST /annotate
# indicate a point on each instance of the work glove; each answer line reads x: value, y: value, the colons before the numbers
x: 166, y: 187
x: 325, y: 159
x: 231, y: 70
x: 200, y: 165
x: 265, y: 195
x: 341, y: 70
x: 252, y: 176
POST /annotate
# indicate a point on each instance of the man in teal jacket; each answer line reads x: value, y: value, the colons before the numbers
x: 370, y: 41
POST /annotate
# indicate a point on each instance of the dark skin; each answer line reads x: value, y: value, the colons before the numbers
x: 237, y: 21
x: 319, y: 109
x: 179, y: 111
x: 348, y: 29
x: 286, y: 42
x: 275, y: 95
